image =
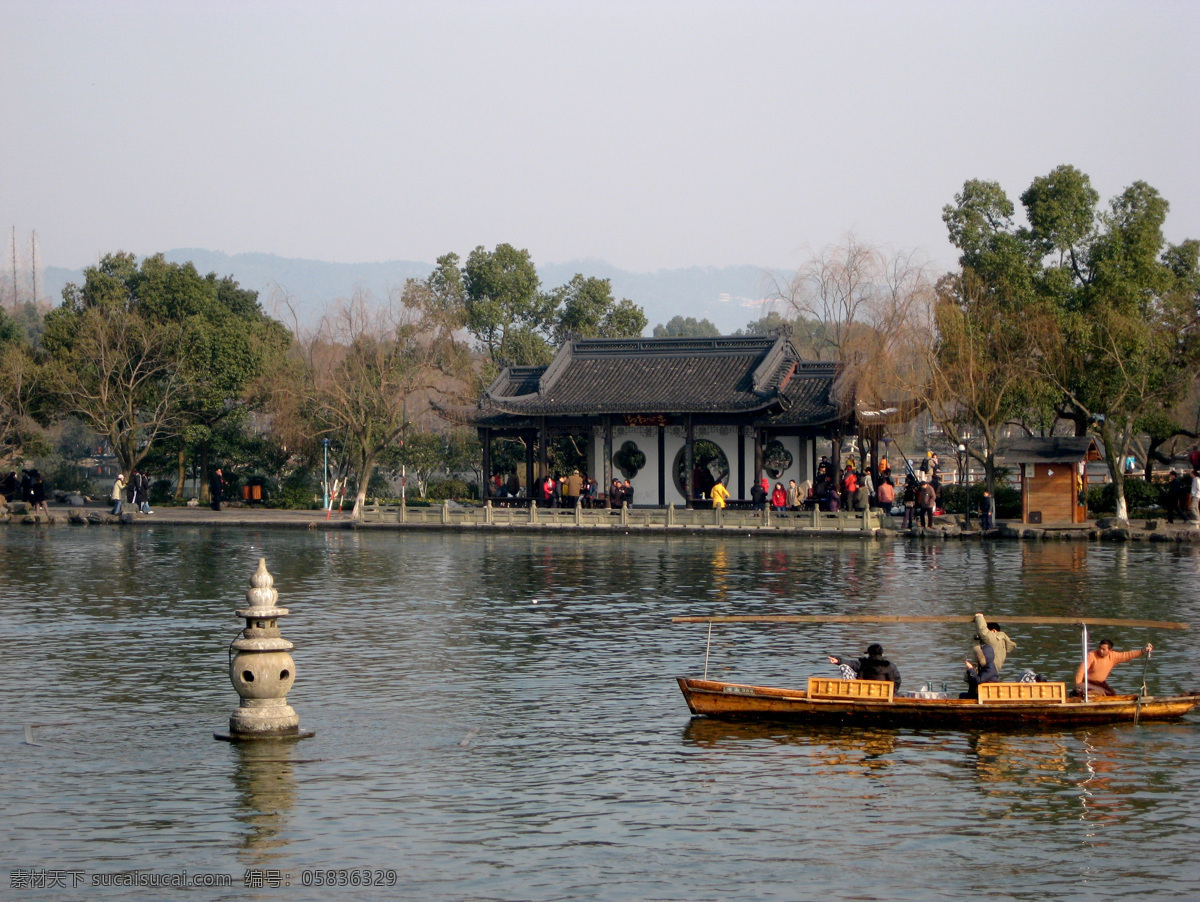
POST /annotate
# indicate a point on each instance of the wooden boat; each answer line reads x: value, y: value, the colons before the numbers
x: 876, y: 703
x: 868, y: 702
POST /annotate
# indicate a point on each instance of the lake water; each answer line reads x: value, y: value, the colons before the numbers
x: 496, y: 718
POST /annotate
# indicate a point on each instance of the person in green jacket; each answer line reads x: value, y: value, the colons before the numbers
x: 989, y: 633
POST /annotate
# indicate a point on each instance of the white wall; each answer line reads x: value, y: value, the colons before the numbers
x: 727, y: 438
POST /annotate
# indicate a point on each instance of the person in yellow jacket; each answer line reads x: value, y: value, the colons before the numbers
x: 720, y: 495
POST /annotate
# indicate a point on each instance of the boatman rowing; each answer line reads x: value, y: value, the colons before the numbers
x: 989, y: 633
x: 1099, y: 665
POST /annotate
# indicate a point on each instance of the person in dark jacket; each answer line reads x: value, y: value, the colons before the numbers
x: 987, y: 511
x: 216, y: 487
x: 38, y: 494
x: 10, y: 486
x: 981, y: 670
x: 758, y: 497
x: 910, y: 500
x: 141, y: 492
x: 873, y: 667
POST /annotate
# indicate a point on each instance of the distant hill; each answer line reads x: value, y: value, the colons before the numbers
x: 728, y: 296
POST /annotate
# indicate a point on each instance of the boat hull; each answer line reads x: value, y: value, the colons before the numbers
x: 740, y: 701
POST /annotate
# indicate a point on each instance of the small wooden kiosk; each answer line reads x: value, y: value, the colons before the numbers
x: 1053, y: 477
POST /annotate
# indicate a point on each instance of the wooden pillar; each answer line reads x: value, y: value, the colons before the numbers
x: 662, y: 465
x: 608, y: 453
x: 529, y: 440
x: 689, y: 462
x: 758, y: 456
x: 543, y: 450
x: 741, y: 462
x: 485, y: 441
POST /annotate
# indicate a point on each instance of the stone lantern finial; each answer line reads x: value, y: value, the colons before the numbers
x: 262, y: 671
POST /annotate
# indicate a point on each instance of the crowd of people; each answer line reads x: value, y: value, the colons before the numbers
x: 138, y: 489
x: 565, y: 491
x: 986, y: 659
x: 30, y: 487
x: 1181, y: 493
x: 852, y: 488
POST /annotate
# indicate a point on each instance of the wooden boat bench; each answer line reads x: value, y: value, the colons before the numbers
x: 1032, y: 693
x: 822, y: 689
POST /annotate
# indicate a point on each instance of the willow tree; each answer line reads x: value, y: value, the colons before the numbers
x: 867, y: 311
x: 979, y: 373
x: 360, y: 376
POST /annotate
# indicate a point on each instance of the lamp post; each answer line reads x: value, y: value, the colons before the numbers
x: 965, y: 480
x: 325, y: 503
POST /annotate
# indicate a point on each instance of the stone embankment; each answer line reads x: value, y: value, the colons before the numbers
x: 1103, y: 529
x: 636, y: 520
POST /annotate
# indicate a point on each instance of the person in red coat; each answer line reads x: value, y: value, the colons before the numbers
x: 779, y: 497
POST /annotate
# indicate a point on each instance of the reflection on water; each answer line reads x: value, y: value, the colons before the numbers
x: 828, y: 749
x: 266, y: 788
x: 496, y: 718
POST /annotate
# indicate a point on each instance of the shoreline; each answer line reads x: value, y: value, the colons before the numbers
x: 244, y: 516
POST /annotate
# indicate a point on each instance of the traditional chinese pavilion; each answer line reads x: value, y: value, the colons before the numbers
x: 671, y: 414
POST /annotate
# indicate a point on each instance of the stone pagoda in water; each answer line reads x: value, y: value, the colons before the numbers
x: 262, y: 670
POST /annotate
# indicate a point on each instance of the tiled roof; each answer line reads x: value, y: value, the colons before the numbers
x: 671, y: 376
x: 516, y: 381
x: 807, y: 398
x: 1053, y: 449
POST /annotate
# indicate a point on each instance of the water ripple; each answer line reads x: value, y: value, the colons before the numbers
x: 496, y: 719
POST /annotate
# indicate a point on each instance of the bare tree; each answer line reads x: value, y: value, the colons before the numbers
x: 361, y: 375
x: 119, y: 373
x: 980, y: 372
x: 870, y: 312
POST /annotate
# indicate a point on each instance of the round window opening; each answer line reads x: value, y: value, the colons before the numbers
x: 709, y: 465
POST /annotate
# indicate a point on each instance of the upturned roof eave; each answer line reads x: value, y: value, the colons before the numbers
x: 673, y: 408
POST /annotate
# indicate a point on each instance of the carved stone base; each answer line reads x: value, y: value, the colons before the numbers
x: 264, y: 718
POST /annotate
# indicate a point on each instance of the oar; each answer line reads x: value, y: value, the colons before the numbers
x: 1138, y: 708
x: 951, y: 618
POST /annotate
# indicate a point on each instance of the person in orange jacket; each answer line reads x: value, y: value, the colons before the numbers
x: 1099, y: 665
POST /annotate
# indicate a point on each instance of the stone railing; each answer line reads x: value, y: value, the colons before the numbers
x: 668, y: 517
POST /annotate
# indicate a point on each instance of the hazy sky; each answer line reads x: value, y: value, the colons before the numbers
x: 650, y: 135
